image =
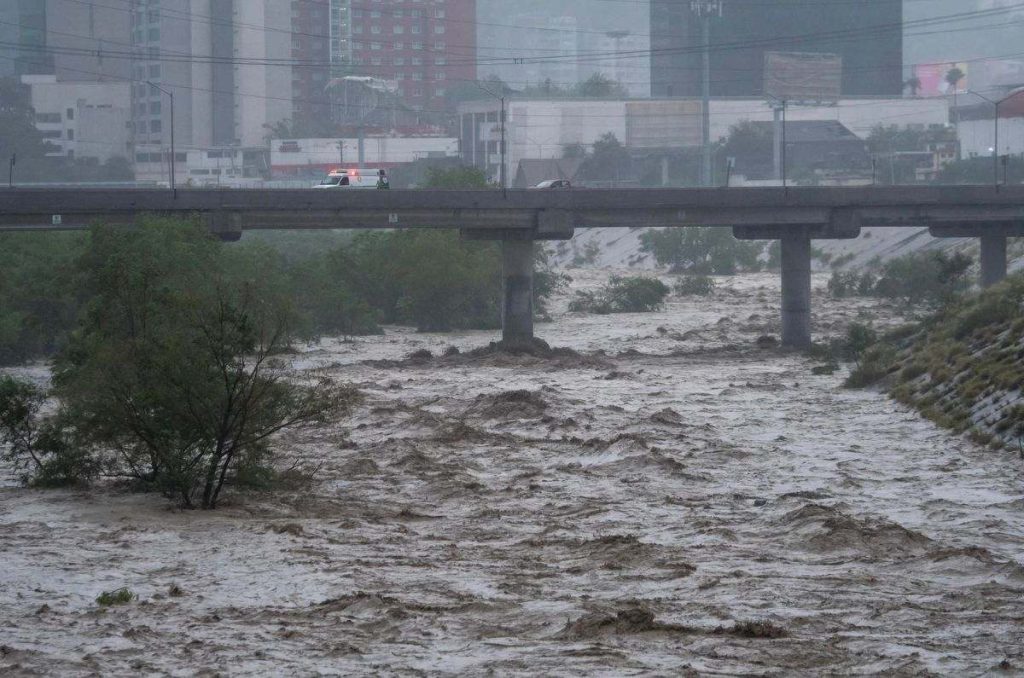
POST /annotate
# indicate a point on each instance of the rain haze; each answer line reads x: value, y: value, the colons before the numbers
x: 534, y: 338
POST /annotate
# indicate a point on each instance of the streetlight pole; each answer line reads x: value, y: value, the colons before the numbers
x: 174, y: 157
x: 501, y: 98
x: 705, y: 9
x: 780, y: 137
x: 995, y: 146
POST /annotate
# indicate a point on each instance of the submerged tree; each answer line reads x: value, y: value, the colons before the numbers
x: 172, y: 370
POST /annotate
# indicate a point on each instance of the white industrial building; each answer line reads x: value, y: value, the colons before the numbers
x: 544, y: 128
x: 315, y: 157
x: 83, y: 119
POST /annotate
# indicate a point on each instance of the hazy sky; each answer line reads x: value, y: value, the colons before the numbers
x: 967, y: 39
x: 964, y: 39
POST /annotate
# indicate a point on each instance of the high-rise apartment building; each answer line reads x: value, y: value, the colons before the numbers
x: 425, y: 46
x: 89, y: 41
x: 867, y: 35
x: 23, y: 38
x: 311, y: 55
x: 227, y: 62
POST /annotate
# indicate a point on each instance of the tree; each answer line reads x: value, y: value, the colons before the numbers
x: 18, y: 134
x: 913, y: 84
x: 454, y: 178
x: 953, y: 77
x: 608, y: 160
x: 701, y: 250
x: 979, y: 170
x: 751, y: 143
x: 171, y: 369
x: 599, y: 86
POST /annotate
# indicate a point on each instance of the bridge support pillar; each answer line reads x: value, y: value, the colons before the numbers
x: 993, y: 259
x: 517, y: 299
x: 796, y: 291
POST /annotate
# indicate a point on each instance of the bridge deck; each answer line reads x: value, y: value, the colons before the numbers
x: 67, y: 209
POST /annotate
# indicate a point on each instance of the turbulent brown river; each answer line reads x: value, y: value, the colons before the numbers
x: 672, y: 500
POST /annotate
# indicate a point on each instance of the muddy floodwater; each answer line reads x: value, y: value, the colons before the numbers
x: 673, y: 500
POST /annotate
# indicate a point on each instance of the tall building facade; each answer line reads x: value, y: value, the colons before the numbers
x: 227, y: 63
x: 426, y: 46
x: 311, y: 53
x: 89, y: 41
x: 867, y: 35
x: 23, y: 38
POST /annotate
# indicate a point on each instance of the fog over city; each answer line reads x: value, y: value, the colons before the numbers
x: 493, y: 338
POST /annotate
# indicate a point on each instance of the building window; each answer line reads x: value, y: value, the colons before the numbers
x: 71, y: 114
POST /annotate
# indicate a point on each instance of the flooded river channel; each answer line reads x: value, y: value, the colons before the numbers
x: 669, y: 499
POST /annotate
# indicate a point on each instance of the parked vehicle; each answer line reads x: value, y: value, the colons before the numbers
x: 555, y: 183
x: 352, y: 178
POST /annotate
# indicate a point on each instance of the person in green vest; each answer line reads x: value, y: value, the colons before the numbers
x: 382, y: 180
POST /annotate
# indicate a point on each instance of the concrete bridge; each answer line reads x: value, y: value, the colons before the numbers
x: 795, y: 216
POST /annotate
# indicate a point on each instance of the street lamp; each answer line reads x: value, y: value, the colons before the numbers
x: 501, y: 97
x: 174, y: 158
x: 780, y: 137
x: 996, y: 103
x: 705, y: 10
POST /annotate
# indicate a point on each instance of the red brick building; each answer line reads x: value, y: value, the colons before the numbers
x: 425, y: 46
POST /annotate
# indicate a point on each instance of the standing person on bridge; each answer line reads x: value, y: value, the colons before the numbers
x: 382, y: 180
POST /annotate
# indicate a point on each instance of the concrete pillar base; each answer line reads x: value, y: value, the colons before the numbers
x: 993, y: 259
x: 517, y: 300
x: 796, y: 292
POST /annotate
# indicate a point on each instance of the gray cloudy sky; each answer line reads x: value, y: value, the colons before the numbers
x: 992, y: 36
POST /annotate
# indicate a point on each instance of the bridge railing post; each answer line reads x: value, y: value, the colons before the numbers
x: 796, y: 291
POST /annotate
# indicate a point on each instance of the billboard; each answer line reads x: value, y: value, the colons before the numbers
x: 664, y: 124
x: 932, y: 79
x: 803, y: 77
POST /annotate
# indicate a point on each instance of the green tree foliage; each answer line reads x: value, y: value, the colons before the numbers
x: 925, y: 277
x: 845, y: 284
x: 432, y: 280
x: 622, y: 295
x: 599, y: 86
x: 171, y: 369
x: 701, y: 250
x: 40, y: 300
x: 694, y: 286
x: 609, y: 160
x: 42, y: 450
x: 456, y: 178
x: 745, y: 140
x: 980, y: 170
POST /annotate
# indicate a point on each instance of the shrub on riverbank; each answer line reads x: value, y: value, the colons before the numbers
x: 694, y: 286
x: 702, y: 251
x: 636, y: 294
x: 931, y: 278
x: 962, y: 368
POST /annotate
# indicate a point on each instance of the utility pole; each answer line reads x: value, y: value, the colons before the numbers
x: 504, y: 183
x: 10, y: 173
x: 779, y: 138
x: 174, y: 157
x: 705, y: 10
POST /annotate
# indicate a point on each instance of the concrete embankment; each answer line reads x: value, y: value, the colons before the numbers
x: 963, y: 368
